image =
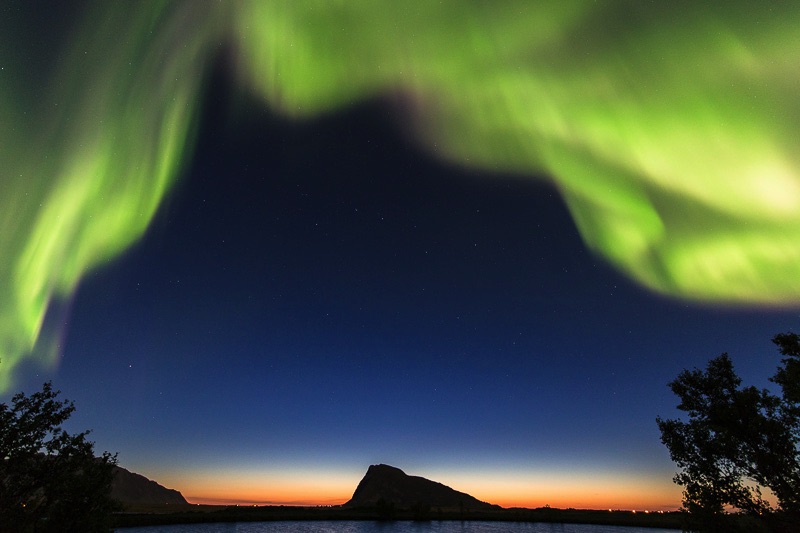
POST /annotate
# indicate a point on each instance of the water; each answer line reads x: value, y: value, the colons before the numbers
x: 391, y: 527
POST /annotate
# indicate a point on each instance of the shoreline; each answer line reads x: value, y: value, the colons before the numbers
x: 137, y: 516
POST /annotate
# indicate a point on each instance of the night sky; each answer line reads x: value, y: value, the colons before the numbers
x: 318, y: 294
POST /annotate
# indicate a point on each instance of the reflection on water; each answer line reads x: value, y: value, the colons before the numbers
x: 390, y: 527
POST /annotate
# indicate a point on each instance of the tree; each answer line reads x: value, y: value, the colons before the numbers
x: 738, y: 440
x: 50, y: 480
x: 788, y: 375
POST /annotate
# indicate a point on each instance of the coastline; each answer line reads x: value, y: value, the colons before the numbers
x: 198, y: 514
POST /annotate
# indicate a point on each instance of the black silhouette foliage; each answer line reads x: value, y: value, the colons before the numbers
x: 50, y: 480
x: 737, y: 440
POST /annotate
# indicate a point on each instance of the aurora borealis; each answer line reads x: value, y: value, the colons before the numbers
x: 672, y: 140
x: 669, y: 130
x: 91, y: 155
x: 672, y: 137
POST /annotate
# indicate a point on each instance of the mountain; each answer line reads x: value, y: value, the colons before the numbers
x: 393, y: 486
x: 130, y: 488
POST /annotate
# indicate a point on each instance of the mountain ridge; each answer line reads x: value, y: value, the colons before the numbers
x: 385, y: 484
x: 130, y: 488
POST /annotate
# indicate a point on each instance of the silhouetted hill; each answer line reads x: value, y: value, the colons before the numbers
x: 130, y: 488
x: 393, y: 486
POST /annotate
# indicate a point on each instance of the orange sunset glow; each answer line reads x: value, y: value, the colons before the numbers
x: 599, y: 491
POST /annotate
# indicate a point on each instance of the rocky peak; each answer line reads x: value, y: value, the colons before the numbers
x: 391, y: 485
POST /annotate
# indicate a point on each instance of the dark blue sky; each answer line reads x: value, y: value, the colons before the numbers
x: 318, y: 296
x: 315, y: 296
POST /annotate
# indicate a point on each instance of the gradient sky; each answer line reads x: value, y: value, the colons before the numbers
x: 321, y: 293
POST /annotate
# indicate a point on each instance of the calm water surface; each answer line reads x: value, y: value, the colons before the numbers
x: 391, y: 527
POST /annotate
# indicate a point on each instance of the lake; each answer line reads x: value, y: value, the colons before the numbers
x: 390, y: 527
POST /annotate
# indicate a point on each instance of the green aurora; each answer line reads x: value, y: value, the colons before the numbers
x: 671, y: 129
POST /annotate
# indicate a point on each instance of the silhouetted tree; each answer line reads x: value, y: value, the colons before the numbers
x: 737, y: 440
x: 788, y: 375
x: 50, y: 480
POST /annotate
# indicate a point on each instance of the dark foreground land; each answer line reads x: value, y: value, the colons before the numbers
x: 195, y: 514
